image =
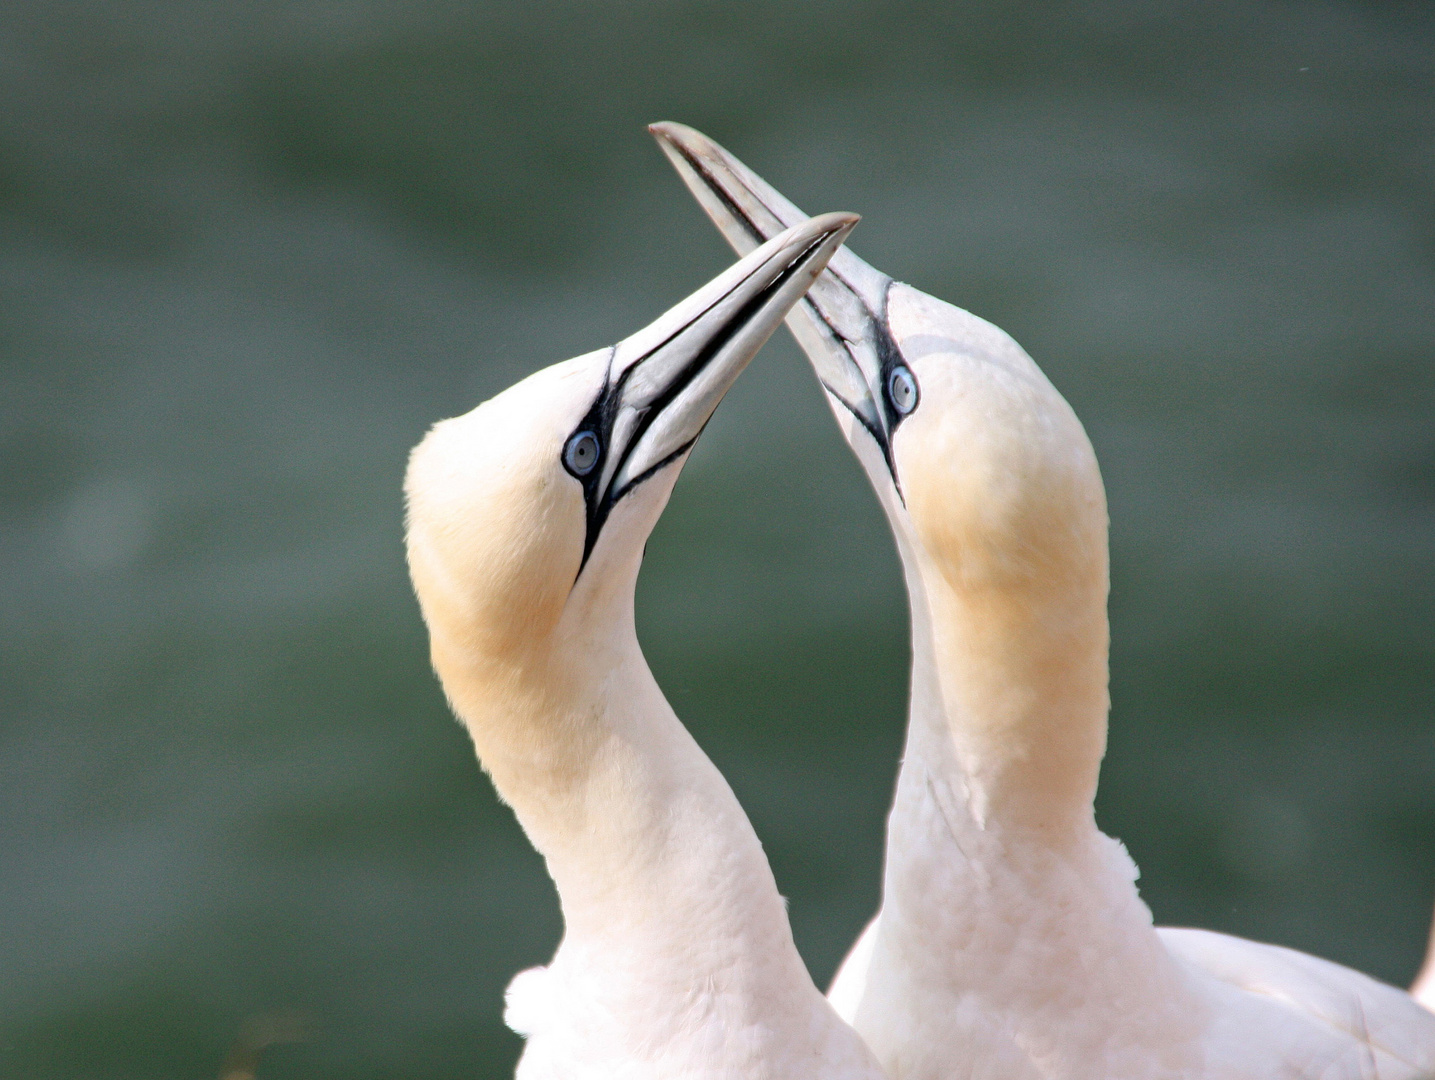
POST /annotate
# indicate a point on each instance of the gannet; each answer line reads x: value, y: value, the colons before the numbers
x: 1011, y: 940
x: 527, y: 519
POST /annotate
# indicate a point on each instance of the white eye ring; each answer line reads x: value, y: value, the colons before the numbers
x: 581, y: 453
x: 902, y: 390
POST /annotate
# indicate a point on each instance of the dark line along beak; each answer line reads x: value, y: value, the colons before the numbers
x: 665, y: 381
x: 841, y: 324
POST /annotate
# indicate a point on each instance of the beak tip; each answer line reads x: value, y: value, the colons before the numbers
x: 681, y: 142
x: 671, y: 133
x: 840, y: 221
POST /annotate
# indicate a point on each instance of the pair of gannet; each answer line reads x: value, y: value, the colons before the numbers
x: 1011, y: 942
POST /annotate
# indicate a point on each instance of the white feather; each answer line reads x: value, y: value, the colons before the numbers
x: 1012, y: 941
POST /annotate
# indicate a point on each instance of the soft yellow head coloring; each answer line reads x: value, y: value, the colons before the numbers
x: 496, y: 525
x: 1005, y: 523
x: 527, y: 516
x: 1001, y: 484
x: 520, y: 639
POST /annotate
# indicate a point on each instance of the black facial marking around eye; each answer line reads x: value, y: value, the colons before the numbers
x: 892, y: 363
x: 887, y: 353
x: 889, y: 360
x: 596, y: 425
x: 607, y: 459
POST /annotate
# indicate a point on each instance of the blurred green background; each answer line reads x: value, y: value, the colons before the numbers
x: 250, y: 251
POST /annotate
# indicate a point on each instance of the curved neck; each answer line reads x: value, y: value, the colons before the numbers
x: 992, y: 839
x: 1010, y: 682
x: 651, y: 853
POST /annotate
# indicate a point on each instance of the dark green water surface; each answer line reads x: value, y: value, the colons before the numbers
x: 250, y: 251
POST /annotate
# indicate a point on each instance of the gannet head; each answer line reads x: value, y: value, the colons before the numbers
x: 994, y: 477
x: 527, y: 516
x: 988, y: 480
x: 978, y: 460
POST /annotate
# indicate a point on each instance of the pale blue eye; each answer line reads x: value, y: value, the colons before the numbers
x: 581, y: 453
x: 902, y: 390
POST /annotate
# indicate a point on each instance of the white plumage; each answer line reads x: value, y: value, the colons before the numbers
x: 526, y: 524
x: 1012, y: 942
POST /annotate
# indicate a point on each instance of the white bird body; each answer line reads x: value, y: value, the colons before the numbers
x: 526, y: 524
x: 1012, y: 941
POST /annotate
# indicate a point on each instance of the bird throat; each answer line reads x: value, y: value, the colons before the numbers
x: 1014, y: 690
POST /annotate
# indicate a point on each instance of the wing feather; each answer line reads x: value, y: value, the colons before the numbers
x: 1392, y: 1031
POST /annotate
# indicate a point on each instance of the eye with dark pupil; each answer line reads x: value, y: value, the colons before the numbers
x: 581, y: 453
x: 902, y: 389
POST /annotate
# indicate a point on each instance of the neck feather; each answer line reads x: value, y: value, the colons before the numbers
x: 1011, y: 683
x: 645, y: 841
x: 998, y: 888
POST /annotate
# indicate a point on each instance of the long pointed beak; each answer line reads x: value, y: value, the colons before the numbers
x: 665, y: 381
x: 841, y: 324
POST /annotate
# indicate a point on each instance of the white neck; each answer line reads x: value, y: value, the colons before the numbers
x: 1014, y: 681
x: 998, y: 888
x: 673, y: 922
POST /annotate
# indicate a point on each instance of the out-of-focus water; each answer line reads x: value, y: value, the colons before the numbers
x: 249, y: 251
